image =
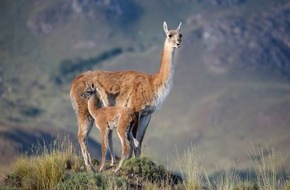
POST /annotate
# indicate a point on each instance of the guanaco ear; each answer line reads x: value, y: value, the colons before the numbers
x: 165, y: 28
x: 179, y: 27
x: 86, y: 83
x: 83, y: 96
x: 93, y: 86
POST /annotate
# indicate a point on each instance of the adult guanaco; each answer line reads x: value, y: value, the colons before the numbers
x: 143, y: 93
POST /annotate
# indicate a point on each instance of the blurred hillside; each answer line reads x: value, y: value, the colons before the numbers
x: 231, y: 85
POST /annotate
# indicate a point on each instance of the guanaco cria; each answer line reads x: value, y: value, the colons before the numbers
x: 108, y: 118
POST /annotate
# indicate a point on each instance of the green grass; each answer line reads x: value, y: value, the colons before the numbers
x: 58, y: 166
x: 46, y: 169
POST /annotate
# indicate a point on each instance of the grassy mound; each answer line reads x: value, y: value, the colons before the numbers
x: 58, y: 166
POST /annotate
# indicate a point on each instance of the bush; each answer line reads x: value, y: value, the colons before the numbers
x: 45, y: 170
x: 143, y: 169
x: 81, y: 181
x: 88, y: 181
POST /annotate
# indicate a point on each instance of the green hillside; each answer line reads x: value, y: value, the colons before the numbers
x: 231, y: 84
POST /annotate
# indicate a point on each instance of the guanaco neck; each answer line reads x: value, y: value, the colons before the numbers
x: 163, y: 78
x: 166, y: 70
x: 94, y: 104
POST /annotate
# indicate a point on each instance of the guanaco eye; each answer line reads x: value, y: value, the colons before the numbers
x: 170, y: 35
x: 180, y: 35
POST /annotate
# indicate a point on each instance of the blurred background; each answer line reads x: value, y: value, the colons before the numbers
x: 231, y: 84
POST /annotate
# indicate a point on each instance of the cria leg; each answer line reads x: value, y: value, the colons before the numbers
x: 110, y: 147
x: 123, y: 138
x: 105, y: 142
x: 133, y: 141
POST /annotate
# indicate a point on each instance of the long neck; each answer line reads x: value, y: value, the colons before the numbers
x: 166, y: 70
x: 93, y: 104
x: 163, y: 78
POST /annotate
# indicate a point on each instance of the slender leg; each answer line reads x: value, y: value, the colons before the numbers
x: 143, y: 124
x: 104, y: 140
x: 110, y: 148
x: 133, y: 141
x: 133, y: 128
x: 85, y: 125
x: 123, y: 138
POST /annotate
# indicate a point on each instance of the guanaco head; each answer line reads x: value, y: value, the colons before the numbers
x: 88, y: 91
x: 173, y: 36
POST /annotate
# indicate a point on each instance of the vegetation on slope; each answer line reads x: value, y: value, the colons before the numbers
x: 58, y: 166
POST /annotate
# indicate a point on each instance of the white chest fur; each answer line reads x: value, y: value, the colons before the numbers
x: 162, y: 93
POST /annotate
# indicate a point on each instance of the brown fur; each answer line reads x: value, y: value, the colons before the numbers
x: 143, y: 93
x: 106, y: 119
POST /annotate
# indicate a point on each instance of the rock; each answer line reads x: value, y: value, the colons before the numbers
x: 259, y: 40
x: 46, y: 20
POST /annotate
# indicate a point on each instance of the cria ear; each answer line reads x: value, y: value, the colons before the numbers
x: 97, y: 88
x: 179, y: 27
x: 165, y: 28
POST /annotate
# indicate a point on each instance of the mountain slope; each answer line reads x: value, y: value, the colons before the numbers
x: 231, y: 82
